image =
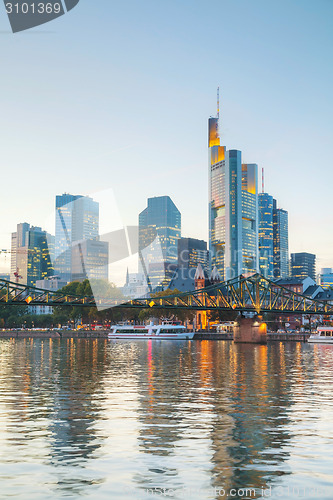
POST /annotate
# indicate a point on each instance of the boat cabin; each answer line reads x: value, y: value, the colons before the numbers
x: 325, y: 331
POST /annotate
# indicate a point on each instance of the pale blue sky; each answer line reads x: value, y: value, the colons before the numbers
x: 117, y: 95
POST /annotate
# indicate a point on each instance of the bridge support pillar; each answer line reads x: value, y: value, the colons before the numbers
x: 250, y: 331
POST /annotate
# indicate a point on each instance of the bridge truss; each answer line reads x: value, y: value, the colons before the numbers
x: 251, y: 294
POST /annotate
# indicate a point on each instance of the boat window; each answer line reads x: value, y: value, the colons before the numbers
x: 328, y: 334
x: 322, y: 334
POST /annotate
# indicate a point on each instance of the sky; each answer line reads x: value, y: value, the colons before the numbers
x: 116, y: 96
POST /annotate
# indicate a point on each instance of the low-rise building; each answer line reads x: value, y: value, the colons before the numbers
x: 53, y: 284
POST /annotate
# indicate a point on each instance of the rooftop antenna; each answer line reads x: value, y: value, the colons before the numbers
x: 262, y: 176
x: 218, y: 102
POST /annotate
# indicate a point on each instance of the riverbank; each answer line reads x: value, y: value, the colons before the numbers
x: 53, y: 334
x: 102, y: 334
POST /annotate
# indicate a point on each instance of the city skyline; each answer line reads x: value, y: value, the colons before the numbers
x: 246, y: 180
x: 271, y: 112
x: 166, y: 305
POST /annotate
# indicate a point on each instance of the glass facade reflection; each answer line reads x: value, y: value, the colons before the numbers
x: 159, y: 232
x: 77, y: 219
x: 266, y: 241
x: 302, y: 265
x: 31, y: 254
x: 191, y: 253
x: 233, y: 209
x: 233, y: 223
x: 281, y: 242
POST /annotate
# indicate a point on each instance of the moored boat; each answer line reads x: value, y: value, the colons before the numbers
x: 323, y: 335
x: 156, y: 332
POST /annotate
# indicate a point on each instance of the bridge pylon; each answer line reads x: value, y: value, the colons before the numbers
x: 250, y: 331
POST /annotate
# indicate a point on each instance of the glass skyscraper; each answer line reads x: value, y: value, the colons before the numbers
x: 77, y: 221
x: 302, y: 265
x: 191, y: 253
x: 326, y: 277
x: 31, y: 254
x: 266, y: 241
x: 281, y: 242
x: 90, y: 260
x: 233, y: 209
x: 159, y: 232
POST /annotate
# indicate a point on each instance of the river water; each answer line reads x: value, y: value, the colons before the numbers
x: 158, y: 419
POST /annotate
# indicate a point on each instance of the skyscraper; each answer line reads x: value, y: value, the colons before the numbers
x: 266, y: 240
x: 192, y: 252
x: 90, y: 260
x: 30, y: 254
x: 159, y: 232
x: 326, y: 277
x: 77, y: 221
x: 233, y: 209
x: 303, y: 264
x: 18, y: 241
x: 280, y: 242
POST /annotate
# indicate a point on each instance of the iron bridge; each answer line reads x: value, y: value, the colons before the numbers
x: 251, y: 294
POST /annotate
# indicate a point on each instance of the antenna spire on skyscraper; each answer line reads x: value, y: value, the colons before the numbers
x: 218, y: 102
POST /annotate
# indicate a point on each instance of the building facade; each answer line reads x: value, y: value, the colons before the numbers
x: 326, y: 278
x: 233, y: 209
x: 159, y: 232
x: 90, y: 260
x: 135, y: 286
x: 53, y: 284
x: 192, y: 252
x: 302, y: 265
x: 77, y: 220
x: 31, y: 255
x: 280, y: 242
x: 266, y: 240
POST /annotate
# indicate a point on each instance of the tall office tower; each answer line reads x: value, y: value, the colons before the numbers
x: 326, y: 277
x: 18, y: 241
x: 281, y: 242
x: 266, y: 241
x: 233, y: 209
x: 30, y: 255
x: 77, y: 220
x: 191, y: 253
x: 302, y: 265
x: 159, y: 232
x: 90, y: 260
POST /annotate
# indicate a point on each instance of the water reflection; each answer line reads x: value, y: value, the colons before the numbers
x: 111, y: 419
x: 222, y: 406
x: 51, y: 393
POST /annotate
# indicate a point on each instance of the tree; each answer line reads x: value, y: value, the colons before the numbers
x: 104, y: 291
x: 221, y: 315
x: 11, y: 315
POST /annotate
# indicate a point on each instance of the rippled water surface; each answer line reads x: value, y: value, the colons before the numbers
x: 198, y: 419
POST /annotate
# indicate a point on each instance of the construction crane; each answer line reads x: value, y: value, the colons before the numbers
x: 17, y: 272
x: 17, y: 275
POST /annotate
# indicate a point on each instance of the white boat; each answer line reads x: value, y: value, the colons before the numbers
x: 156, y: 332
x: 324, y: 335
